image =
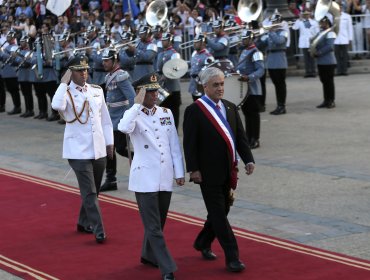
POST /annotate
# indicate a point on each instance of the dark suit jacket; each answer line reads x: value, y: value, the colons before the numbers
x: 205, y: 149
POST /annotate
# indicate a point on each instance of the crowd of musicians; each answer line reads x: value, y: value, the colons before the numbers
x: 39, y: 62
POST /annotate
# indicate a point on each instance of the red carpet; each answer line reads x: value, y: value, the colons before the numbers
x: 38, y: 240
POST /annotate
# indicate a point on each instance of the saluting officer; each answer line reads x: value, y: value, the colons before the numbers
x: 8, y: 72
x: 200, y: 57
x: 120, y: 97
x: 88, y: 139
x: 251, y: 67
x: 276, y: 61
x: 219, y: 45
x: 158, y: 161
x: 143, y: 54
x: 173, y: 101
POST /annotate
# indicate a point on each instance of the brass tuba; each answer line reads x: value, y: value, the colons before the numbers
x: 249, y: 10
x: 322, y: 8
x: 156, y: 13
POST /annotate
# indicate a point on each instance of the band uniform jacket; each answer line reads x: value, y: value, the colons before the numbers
x: 158, y: 158
x: 89, y: 140
x: 205, y: 149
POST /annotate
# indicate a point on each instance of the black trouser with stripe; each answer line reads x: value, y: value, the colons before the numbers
x: 278, y: 79
x: 326, y: 74
x: 11, y: 85
x: 26, y: 88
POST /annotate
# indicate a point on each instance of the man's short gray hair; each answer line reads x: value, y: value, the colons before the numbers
x: 209, y: 73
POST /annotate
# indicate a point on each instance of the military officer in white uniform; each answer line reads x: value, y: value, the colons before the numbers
x: 88, y: 138
x: 157, y: 161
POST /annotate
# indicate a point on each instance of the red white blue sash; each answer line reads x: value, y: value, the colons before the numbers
x: 219, y: 122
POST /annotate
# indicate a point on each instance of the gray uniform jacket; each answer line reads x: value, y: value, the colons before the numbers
x: 251, y: 64
x: 325, y: 50
x: 169, y: 84
x: 144, y: 57
x: 24, y: 71
x: 198, y: 61
x: 9, y: 69
x: 126, y: 60
x: 49, y: 73
x: 219, y: 46
x: 120, y: 95
x: 276, y: 49
x: 98, y: 73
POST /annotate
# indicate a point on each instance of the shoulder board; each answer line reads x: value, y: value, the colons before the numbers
x: 331, y: 35
x: 165, y: 110
x: 224, y: 41
x: 95, y: 86
x: 194, y: 53
x: 257, y: 56
x: 177, y: 39
x: 152, y: 47
x: 121, y: 76
x: 175, y: 55
x: 284, y: 33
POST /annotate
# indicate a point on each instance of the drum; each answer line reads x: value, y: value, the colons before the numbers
x: 235, y: 90
x: 224, y: 65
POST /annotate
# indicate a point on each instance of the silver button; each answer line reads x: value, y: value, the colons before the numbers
x: 156, y: 129
x: 157, y: 137
x: 162, y: 161
x: 153, y: 121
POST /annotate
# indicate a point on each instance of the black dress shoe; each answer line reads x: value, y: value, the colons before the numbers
x: 100, y: 238
x: 42, y: 115
x: 61, y: 121
x: 263, y: 108
x: 53, y: 117
x: 148, y: 262
x: 235, y: 266
x: 108, y: 186
x: 168, y: 276
x: 279, y: 110
x: 28, y: 114
x: 206, y: 253
x: 16, y: 110
x: 330, y: 105
x: 83, y: 229
x: 254, y: 144
x: 22, y: 115
x: 2, y: 108
x: 322, y: 105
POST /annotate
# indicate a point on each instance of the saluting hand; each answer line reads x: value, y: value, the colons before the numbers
x: 66, y: 77
x: 139, y: 98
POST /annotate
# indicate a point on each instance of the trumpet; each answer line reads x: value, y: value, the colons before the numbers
x: 26, y: 56
x: 15, y: 50
x: 119, y: 46
x: 55, y: 53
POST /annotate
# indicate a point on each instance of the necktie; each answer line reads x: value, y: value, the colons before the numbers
x: 218, y: 107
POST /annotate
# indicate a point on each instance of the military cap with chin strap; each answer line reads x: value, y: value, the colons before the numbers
x: 149, y: 82
x: 78, y: 62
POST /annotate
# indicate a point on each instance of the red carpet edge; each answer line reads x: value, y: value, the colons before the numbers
x: 272, y: 241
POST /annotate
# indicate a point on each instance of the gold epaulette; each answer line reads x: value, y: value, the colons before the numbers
x: 95, y: 86
x: 164, y: 109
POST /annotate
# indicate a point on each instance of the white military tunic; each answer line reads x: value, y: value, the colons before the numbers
x: 89, y: 140
x: 158, y: 158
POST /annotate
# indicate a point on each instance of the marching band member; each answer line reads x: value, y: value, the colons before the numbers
x: 66, y: 45
x: 173, y: 101
x: 233, y: 40
x: 45, y: 85
x: 96, y: 58
x: 251, y: 68
x: 23, y: 61
x: 8, y: 72
x: 177, y: 39
x: 308, y: 28
x: 326, y: 63
x: 88, y: 139
x: 219, y: 46
x: 276, y: 61
x: 143, y: 54
x: 120, y: 97
x: 200, y: 57
x: 158, y: 160
x: 3, y: 44
x: 125, y: 57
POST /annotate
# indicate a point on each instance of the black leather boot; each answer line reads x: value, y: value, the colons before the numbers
x: 280, y: 110
x: 2, y: 108
x: 16, y: 110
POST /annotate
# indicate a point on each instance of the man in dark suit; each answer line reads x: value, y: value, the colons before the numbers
x: 213, y: 133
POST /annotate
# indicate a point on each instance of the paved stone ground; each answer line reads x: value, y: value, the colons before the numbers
x: 312, y: 178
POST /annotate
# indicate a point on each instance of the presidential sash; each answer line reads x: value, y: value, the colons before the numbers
x: 216, y: 118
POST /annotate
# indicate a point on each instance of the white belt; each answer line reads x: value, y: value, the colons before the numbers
x: 118, y: 104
